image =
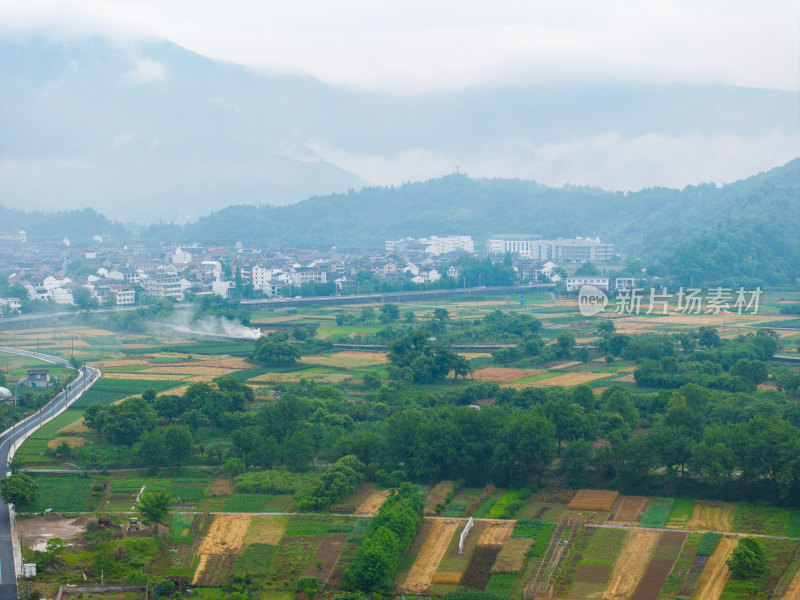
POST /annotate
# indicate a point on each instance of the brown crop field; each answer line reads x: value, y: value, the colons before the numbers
x: 512, y: 555
x: 496, y: 533
x: 75, y: 428
x: 447, y: 577
x: 716, y: 574
x: 629, y: 508
x: 226, y: 534
x: 347, y: 360
x: 420, y: 576
x: 569, y: 379
x: 593, y: 573
x: 143, y: 376
x: 372, y: 504
x: 631, y: 564
x: 713, y: 516
x: 503, y: 375
x: 437, y: 495
x: 297, y: 376
x: 593, y: 500
x: 652, y: 580
x: 72, y: 441
x: 265, y: 530
x: 326, y: 557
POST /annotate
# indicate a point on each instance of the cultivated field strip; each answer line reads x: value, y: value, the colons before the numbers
x: 631, y: 564
x: 421, y: 575
x: 716, y: 574
x: 565, y: 533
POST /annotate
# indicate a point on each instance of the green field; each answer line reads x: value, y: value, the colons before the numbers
x: 62, y: 493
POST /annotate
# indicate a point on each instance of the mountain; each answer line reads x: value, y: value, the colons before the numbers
x: 638, y: 222
x: 151, y: 132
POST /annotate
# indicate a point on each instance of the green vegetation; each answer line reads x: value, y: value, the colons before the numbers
x: 708, y: 543
x: 108, y: 390
x: 245, y: 502
x: 339, y: 480
x: 62, y: 493
x: 501, y: 585
x: 254, y: 560
x: 658, y: 512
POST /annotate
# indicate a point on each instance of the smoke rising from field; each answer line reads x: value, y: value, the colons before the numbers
x: 209, y: 326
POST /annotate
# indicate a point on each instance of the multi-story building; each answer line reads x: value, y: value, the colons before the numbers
x: 514, y: 244
x: 560, y: 250
x: 162, y: 285
x: 576, y: 283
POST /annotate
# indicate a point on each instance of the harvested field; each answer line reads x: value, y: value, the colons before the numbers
x: 222, y: 486
x: 716, y: 574
x: 297, y: 376
x: 496, y: 533
x: 143, y: 376
x: 503, y: 375
x: 593, y: 500
x: 593, y: 573
x: 189, y: 369
x: 430, y: 555
x: 469, y: 355
x: 566, y: 365
x: 629, y: 509
x: 569, y: 379
x: 372, y: 504
x: 512, y: 555
x: 226, y: 534
x: 437, y: 495
x: 347, y: 360
x: 72, y: 442
x: 629, y: 378
x: 554, y: 496
x: 266, y: 530
x: 447, y: 577
x: 326, y: 557
x: 793, y: 591
x: 75, y: 428
x: 631, y: 564
x: 712, y: 516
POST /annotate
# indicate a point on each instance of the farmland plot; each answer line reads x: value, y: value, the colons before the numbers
x: 713, y: 516
x: 430, y: 555
x: 373, y: 503
x: 437, y: 496
x: 716, y: 573
x: 593, y: 500
x: 664, y: 557
x: 631, y: 564
x: 629, y: 509
x: 219, y: 547
x: 496, y: 533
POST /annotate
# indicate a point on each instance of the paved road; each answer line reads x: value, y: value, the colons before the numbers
x: 86, y: 376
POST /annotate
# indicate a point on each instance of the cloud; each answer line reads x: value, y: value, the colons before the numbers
x: 413, y: 46
x: 609, y: 160
x: 145, y: 70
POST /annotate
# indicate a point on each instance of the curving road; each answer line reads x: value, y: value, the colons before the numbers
x: 86, y: 377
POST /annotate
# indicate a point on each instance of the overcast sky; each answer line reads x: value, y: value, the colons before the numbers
x: 412, y: 46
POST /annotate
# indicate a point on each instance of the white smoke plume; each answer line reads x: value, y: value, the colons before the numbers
x: 208, y: 326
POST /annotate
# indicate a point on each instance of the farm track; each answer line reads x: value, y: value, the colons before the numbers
x: 793, y: 591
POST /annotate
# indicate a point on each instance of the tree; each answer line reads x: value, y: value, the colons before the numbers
x: 154, y: 507
x: 587, y: 268
x: 275, y: 349
x: 748, y: 559
x: 372, y: 381
x: 389, y: 312
x: 19, y: 489
x: 82, y: 298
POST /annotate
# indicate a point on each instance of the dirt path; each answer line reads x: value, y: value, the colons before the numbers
x: 631, y: 564
x: 793, y: 591
x: 433, y: 550
x: 716, y: 573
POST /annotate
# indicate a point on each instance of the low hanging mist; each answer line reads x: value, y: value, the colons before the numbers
x: 208, y: 326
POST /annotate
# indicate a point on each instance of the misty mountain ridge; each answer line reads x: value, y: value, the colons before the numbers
x: 152, y: 132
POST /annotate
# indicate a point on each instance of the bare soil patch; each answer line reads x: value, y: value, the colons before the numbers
x: 503, y: 374
x: 672, y: 538
x: 222, y: 486
x: 39, y: 530
x: 652, y: 580
x: 593, y: 573
x: 422, y: 571
x: 593, y: 500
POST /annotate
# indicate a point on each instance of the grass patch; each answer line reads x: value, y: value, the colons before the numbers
x: 540, y: 531
x: 603, y: 547
x: 106, y: 391
x: 181, y: 526
x: 315, y: 525
x: 255, y: 559
x: 658, y: 512
x: 779, y: 554
x: 768, y: 520
x: 245, y: 502
x: 681, y: 513
x: 502, y: 584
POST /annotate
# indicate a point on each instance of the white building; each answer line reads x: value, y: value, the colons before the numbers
x: 560, y: 250
x: 521, y: 244
x: 221, y: 288
x: 162, y: 285
x: 576, y: 283
x: 452, y: 243
x: 181, y: 257
x: 125, y: 294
